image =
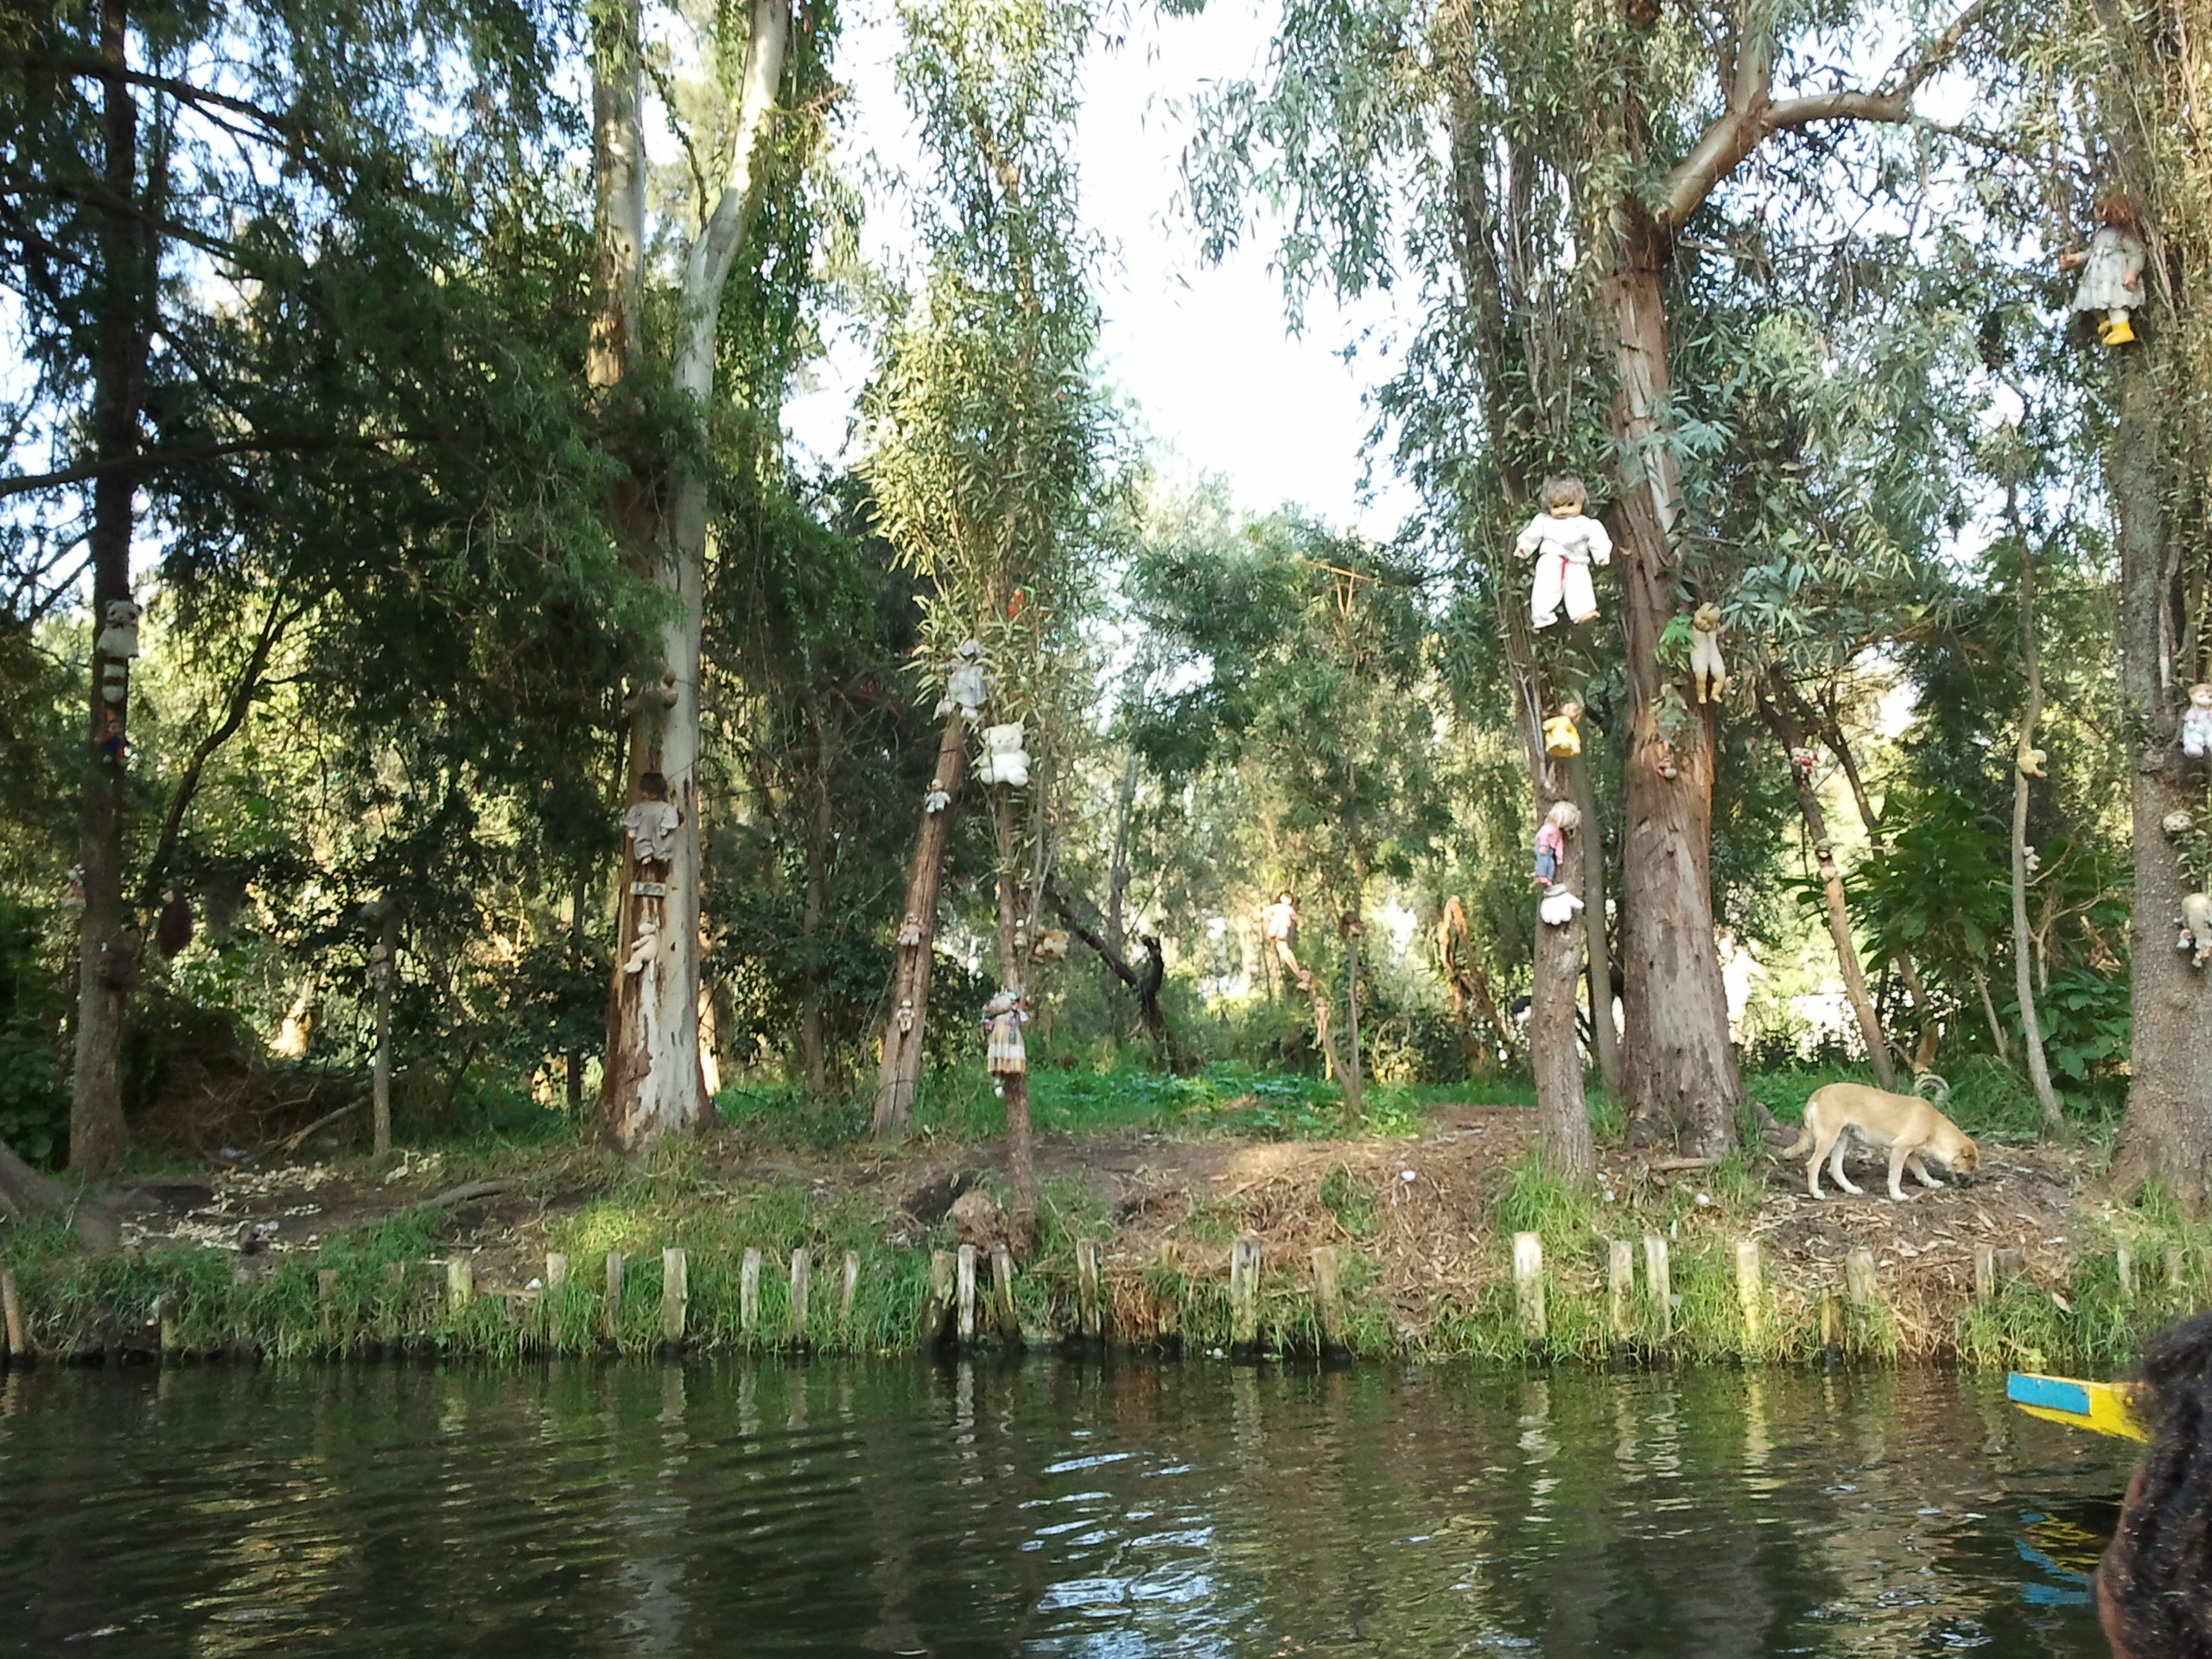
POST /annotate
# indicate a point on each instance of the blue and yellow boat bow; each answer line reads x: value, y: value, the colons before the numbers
x: 2100, y: 1408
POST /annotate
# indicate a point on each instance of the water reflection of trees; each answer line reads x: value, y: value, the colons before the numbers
x: 1039, y: 1506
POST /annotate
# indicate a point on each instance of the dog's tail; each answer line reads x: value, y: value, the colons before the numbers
x: 1804, y: 1142
x: 1932, y: 1089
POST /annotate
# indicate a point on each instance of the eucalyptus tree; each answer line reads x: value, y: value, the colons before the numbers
x: 1560, y: 153
x: 987, y: 457
x: 258, y: 306
x: 743, y: 89
x: 2142, y: 142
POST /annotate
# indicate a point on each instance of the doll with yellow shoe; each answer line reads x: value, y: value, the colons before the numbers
x: 2111, y: 285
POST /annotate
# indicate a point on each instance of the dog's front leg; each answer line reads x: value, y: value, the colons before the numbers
x: 1920, y: 1172
x: 1899, y: 1154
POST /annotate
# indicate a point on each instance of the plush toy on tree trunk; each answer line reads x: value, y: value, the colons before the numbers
x: 1564, y: 541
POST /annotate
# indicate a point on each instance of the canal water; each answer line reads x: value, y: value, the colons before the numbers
x: 1041, y: 1507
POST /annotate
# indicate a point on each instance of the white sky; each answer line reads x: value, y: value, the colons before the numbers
x: 1203, y: 353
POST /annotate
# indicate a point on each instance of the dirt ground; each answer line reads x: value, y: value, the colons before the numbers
x: 1429, y: 1206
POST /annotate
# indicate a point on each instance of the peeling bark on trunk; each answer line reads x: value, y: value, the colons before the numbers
x: 1679, y: 1072
x: 2165, y: 1137
x: 108, y: 949
x: 910, y: 973
x: 654, y: 1085
x: 1776, y: 709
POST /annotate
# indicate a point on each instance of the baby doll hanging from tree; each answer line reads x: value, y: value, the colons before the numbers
x: 1564, y: 541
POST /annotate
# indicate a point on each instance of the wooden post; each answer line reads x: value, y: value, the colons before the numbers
x: 556, y: 1271
x: 1985, y: 1273
x: 2124, y: 1267
x: 1244, y: 1295
x: 1086, y: 1289
x: 1002, y: 1285
x: 748, y: 1293
x: 11, y: 1308
x: 1750, y: 1293
x: 1171, y: 1316
x: 1529, y: 1283
x: 616, y: 1262
x: 674, y: 1296
x: 165, y: 1312
x: 2011, y: 1265
x: 242, y: 1345
x: 938, y: 1309
x: 1828, y: 1319
x: 1658, y: 1281
x: 1329, y: 1296
x: 326, y: 1295
x: 802, y: 1281
x: 388, y: 1325
x: 460, y: 1284
x: 2176, y: 1268
x: 967, y: 1294
x: 1620, y: 1288
x: 1858, y: 1278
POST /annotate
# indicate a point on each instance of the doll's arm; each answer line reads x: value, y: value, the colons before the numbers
x: 1601, y: 546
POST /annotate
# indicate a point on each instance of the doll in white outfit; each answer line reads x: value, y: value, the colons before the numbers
x: 2112, y: 270
x: 1565, y: 542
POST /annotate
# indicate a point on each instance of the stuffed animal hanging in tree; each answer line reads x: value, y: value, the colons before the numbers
x: 2196, y: 721
x: 2112, y: 270
x: 1005, y: 762
x: 1709, y: 674
x: 2194, y: 928
x: 1564, y: 541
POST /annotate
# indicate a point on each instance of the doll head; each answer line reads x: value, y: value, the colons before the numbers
x: 652, y: 786
x: 1707, y: 617
x: 1571, y: 712
x: 1564, y: 815
x: 1564, y: 497
x: 2200, y: 695
x: 2117, y: 208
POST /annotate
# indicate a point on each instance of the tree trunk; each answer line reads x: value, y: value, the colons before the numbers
x: 2024, y: 765
x: 1354, y: 928
x: 108, y: 949
x: 654, y: 1085
x: 910, y: 973
x: 1604, y: 1035
x: 1145, y: 982
x: 1832, y: 729
x: 579, y: 896
x: 384, y: 964
x: 1117, y: 868
x: 1678, y: 1069
x: 1013, y: 961
x: 1776, y: 709
x: 2166, y: 1135
x: 26, y: 1195
x: 813, y: 1048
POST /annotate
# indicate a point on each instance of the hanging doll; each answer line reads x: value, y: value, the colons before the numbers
x: 651, y: 823
x: 1802, y: 761
x: 1565, y: 542
x: 1562, y: 821
x: 2112, y: 270
x: 1709, y: 674
x: 2194, y: 928
x: 2196, y: 721
x: 1002, y: 1018
x: 1561, y: 740
x: 965, y: 686
x: 1279, y: 921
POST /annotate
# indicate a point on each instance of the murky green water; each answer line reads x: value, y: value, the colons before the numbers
x: 1039, y: 1507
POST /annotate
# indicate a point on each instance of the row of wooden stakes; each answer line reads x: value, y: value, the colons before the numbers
x: 958, y: 1303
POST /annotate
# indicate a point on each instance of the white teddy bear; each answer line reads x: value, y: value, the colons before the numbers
x: 1005, y: 762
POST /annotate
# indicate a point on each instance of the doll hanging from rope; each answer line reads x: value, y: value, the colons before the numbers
x: 1559, y: 824
x: 1564, y: 541
x: 1280, y: 921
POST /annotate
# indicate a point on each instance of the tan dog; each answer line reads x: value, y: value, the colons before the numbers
x: 1906, y: 1124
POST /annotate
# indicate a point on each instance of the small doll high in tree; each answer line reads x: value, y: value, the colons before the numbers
x: 2197, y: 722
x: 1564, y: 541
x: 2112, y: 270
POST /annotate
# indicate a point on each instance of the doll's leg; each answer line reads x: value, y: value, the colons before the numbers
x: 1544, y: 597
x: 1581, y: 597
